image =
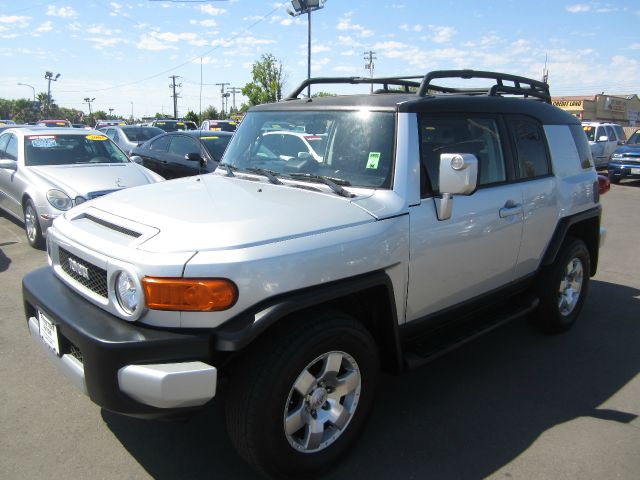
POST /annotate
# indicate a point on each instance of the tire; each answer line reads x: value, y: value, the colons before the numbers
x: 615, y: 179
x: 563, y: 287
x: 32, y: 226
x: 298, y: 400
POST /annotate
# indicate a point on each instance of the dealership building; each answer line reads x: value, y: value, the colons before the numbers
x: 621, y: 109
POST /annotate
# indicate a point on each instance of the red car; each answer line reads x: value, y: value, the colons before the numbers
x: 54, y: 123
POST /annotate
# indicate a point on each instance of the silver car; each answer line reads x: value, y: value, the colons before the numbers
x: 45, y: 172
x: 128, y: 137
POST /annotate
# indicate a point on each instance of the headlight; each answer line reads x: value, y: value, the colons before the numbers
x: 80, y: 200
x: 127, y: 293
x: 59, y: 200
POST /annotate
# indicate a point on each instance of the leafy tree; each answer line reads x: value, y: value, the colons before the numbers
x: 268, y: 81
x: 100, y: 114
x: 210, y: 113
x: 192, y: 117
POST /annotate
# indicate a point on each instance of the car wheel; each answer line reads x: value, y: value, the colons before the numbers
x: 296, y: 403
x: 32, y: 226
x: 563, y: 287
x: 615, y: 179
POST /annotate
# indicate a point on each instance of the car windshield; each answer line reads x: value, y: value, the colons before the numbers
x: 590, y: 132
x: 215, y: 144
x: 71, y: 149
x: 355, y: 147
x: 169, y: 126
x: 634, y: 139
x: 141, y: 134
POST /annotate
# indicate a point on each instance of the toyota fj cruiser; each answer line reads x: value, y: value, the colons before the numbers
x: 431, y: 214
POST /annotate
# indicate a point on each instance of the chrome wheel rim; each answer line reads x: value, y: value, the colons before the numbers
x: 570, y: 286
x: 30, y: 223
x: 322, y: 402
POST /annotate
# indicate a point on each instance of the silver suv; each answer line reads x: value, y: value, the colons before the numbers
x: 430, y: 214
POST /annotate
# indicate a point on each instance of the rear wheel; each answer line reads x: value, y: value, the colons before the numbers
x: 563, y: 287
x: 297, y: 403
x: 32, y: 225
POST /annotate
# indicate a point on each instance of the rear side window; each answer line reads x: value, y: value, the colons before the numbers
x: 531, y: 152
x: 12, y: 148
x: 582, y: 145
x: 181, y: 145
x: 160, y: 144
x: 611, y: 134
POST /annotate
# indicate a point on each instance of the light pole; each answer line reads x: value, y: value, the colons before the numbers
x: 306, y: 6
x: 49, y: 76
x: 89, y: 101
x: 34, y: 90
x: 131, y: 112
x: 110, y: 113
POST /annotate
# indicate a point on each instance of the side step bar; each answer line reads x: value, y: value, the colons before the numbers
x: 442, y: 342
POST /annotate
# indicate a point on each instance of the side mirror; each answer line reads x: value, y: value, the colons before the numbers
x: 194, y: 157
x: 603, y: 138
x: 304, y: 155
x: 136, y: 159
x: 458, y: 176
x: 9, y: 164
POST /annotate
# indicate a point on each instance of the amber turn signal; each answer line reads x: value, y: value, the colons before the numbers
x: 189, y: 294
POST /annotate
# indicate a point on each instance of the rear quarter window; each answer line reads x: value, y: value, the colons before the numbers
x: 582, y: 145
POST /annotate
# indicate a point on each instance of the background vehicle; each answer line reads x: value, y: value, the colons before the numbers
x: 7, y: 122
x: 129, y: 136
x: 431, y: 218
x: 185, y: 153
x: 174, y: 125
x: 219, y: 125
x: 603, y: 138
x: 625, y: 160
x: 109, y: 123
x: 288, y: 145
x: 54, y: 123
x: 45, y: 173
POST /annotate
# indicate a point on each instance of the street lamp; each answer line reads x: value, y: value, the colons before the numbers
x: 49, y: 76
x: 34, y: 90
x: 110, y: 113
x: 306, y: 6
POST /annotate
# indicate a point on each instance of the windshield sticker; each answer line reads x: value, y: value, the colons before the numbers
x: 43, y: 142
x: 160, y: 123
x: 180, y: 123
x: 209, y: 138
x: 374, y: 160
x: 96, y: 137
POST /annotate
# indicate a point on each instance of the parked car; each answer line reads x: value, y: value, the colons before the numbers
x: 174, y: 125
x: 288, y: 145
x: 436, y: 214
x: 129, y: 136
x: 109, y: 123
x: 625, y: 160
x: 45, y: 173
x: 183, y: 153
x: 6, y: 122
x: 603, y: 138
x: 219, y: 125
x: 81, y: 125
x: 54, y: 123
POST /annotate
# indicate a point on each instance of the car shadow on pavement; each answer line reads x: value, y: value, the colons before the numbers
x: 4, y: 260
x: 463, y: 416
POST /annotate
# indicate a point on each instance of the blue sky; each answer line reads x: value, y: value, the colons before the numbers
x: 122, y: 53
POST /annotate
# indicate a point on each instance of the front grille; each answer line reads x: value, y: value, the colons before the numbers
x: 75, y: 351
x: 97, y: 281
x: 112, y: 226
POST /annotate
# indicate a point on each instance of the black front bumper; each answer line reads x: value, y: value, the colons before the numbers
x: 107, y: 343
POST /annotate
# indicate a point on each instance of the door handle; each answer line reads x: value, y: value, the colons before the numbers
x: 510, y: 208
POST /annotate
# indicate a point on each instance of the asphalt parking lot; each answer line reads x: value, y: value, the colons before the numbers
x: 513, y: 404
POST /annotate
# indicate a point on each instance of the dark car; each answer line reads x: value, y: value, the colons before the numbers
x: 174, y: 125
x: 184, y: 153
x: 129, y: 136
x: 625, y: 160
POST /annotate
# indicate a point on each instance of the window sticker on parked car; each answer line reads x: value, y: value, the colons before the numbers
x: 43, y: 142
x: 374, y: 160
x: 209, y: 138
x: 96, y: 137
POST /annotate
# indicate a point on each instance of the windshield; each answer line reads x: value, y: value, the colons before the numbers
x: 355, y: 147
x: 215, y: 144
x: 141, y: 134
x: 590, y: 132
x: 634, y: 139
x: 71, y: 149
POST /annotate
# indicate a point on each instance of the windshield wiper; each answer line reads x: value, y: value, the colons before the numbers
x: 332, y: 183
x: 230, y: 168
x: 271, y: 175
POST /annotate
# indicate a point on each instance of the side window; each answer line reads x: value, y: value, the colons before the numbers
x: 181, y: 145
x: 611, y: 134
x: 110, y: 132
x: 160, y: 144
x: 461, y: 134
x: 4, y: 139
x: 584, y: 151
x: 116, y: 137
x: 600, y: 132
x: 12, y: 148
x: 531, y: 153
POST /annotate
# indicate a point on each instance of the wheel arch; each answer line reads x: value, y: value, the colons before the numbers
x: 367, y: 298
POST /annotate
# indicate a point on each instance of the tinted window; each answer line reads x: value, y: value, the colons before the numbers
x: 160, y: 144
x: 459, y: 134
x: 216, y: 145
x: 619, y: 132
x: 530, y: 149
x: 11, y: 151
x: 141, y: 134
x: 611, y: 134
x: 181, y: 145
x: 584, y: 152
x: 635, y: 138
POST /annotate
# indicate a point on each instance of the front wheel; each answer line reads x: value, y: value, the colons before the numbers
x: 32, y: 226
x: 563, y: 287
x: 297, y: 402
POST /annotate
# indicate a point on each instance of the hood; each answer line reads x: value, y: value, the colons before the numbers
x: 628, y: 149
x: 84, y: 179
x: 212, y: 212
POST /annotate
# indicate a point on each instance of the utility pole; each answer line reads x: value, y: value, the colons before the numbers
x: 369, y: 58
x: 222, y: 94
x: 233, y: 91
x: 89, y: 101
x: 174, y: 94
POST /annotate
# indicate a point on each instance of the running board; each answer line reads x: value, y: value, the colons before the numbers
x: 442, y: 342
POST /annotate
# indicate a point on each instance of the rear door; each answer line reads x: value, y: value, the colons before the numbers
x: 11, y: 182
x: 178, y: 165
x: 154, y: 155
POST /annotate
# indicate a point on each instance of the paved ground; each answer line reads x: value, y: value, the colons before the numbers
x: 514, y: 404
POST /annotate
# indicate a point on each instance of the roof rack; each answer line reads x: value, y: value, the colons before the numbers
x: 523, y: 86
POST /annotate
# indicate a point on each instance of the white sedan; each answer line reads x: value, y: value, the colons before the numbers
x: 45, y: 172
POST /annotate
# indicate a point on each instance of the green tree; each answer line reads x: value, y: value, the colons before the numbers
x: 268, y: 81
x: 192, y: 117
x: 210, y: 113
x: 99, y: 114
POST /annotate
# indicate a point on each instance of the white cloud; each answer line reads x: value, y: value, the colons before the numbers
x: 101, y: 30
x: 635, y: 46
x: 150, y: 42
x: 45, y: 27
x: 411, y: 28
x: 209, y: 22
x: 345, y: 24
x: 286, y: 22
x: 15, y: 20
x: 64, y: 12
x: 578, y: 8
x: 319, y: 48
x: 442, y: 34
x: 210, y: 10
